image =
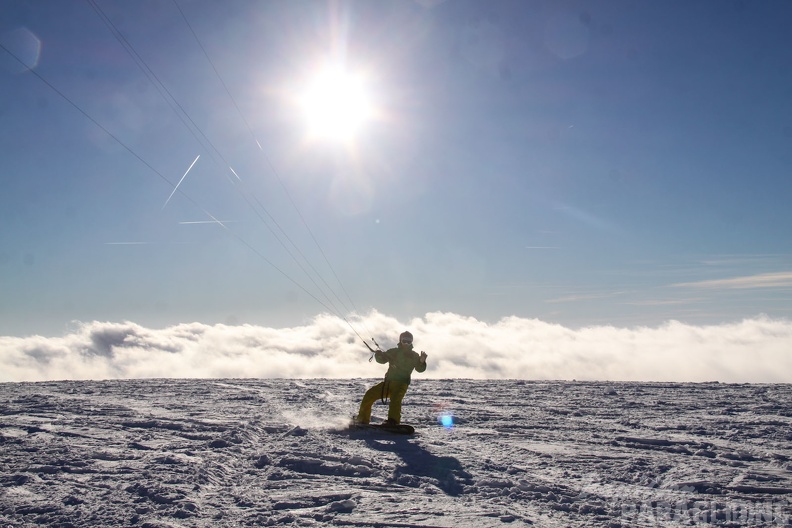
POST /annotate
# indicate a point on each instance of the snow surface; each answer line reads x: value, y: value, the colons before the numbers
x: 241, y: 452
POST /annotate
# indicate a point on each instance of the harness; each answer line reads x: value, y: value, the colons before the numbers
x: 385, y: 391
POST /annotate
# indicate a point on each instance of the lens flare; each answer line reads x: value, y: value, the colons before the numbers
x: 23, y: 48
x: 446, y: 420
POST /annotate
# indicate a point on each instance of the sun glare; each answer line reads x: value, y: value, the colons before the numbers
x: 336, y: 104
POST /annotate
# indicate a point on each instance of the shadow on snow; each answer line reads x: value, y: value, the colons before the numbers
x: 419, y: 464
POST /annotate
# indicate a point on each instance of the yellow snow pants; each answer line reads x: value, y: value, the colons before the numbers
x: 386, y: 389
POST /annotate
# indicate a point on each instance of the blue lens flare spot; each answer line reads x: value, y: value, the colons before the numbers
x: 446, y: 420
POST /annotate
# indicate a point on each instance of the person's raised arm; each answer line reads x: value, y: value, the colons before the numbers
x: 381, y: 357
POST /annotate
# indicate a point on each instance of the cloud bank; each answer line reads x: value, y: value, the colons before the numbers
x: 753, y: 350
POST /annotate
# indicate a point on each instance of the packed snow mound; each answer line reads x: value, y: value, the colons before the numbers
x: 217, y: 453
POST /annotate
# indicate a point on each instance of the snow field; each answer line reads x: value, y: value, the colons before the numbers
x: 244, y: 452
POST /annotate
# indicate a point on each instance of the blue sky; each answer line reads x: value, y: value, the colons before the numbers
x: 580, y: 163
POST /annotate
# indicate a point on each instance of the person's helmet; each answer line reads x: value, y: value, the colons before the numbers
x: 405, y: 338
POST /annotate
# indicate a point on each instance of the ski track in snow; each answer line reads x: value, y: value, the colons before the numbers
x: 216, y: 453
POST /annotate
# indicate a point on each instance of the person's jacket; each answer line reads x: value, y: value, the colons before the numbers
x: 402, y: 360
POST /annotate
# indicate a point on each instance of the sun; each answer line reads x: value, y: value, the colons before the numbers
x: 336, y: 104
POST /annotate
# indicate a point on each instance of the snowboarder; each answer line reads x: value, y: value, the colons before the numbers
x: 401, y: 362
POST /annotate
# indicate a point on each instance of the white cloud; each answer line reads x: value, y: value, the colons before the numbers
x: 764, y: 280
x: 754, y: 350
x: 428, y: 4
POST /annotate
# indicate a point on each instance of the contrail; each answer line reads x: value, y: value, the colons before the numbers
x: 182, y: 179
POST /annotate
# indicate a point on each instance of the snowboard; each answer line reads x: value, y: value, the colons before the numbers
x: 396, y: 429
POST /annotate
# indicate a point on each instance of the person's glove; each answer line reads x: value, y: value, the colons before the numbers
x: 423, y: 356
